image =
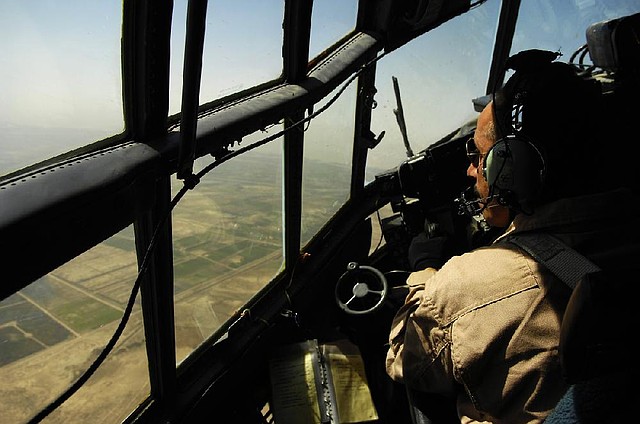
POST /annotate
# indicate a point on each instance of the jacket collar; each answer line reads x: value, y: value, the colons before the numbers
x: 614, y: 205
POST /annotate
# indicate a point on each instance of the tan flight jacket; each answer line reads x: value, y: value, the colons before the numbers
x: 484, y: 329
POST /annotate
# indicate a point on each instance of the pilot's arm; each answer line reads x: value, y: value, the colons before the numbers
x: 419, y: 353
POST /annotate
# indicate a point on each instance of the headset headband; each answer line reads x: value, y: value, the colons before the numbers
x: 509, y: 101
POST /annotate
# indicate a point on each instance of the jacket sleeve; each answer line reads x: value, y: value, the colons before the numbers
x: 419, y: 352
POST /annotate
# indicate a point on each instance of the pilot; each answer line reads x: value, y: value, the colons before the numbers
x: 483, y: 328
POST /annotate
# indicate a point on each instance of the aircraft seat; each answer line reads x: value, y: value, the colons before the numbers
x: 597, y: 350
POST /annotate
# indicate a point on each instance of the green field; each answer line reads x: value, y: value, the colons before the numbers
x: 228, y: 229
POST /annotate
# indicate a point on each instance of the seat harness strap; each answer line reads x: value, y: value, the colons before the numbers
x: 567, y: 264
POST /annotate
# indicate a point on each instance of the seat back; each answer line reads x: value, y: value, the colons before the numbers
x: 600, y: 325
x: 597, y: 355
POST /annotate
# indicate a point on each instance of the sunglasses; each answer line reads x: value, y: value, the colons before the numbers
x: 473, y: 154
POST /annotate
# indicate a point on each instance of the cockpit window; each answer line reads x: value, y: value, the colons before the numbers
x: 60, y: 78
x: 438, y: 76
x: 227, y: 241
x: 327, y: 163
x: 561, y: 26
x: 52, y: 330
x: 242, y: 48
x: 330, y: 21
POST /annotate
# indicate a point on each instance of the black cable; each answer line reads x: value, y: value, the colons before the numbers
x: 577, y: 52
x: 309, y: 117
x: 582, y: 56
x: 123, y: 322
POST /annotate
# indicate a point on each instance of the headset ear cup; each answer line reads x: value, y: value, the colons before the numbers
x: 496, y: 162
x: 514, y: 169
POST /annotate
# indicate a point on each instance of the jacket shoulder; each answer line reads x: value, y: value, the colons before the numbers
x: 479, y: 278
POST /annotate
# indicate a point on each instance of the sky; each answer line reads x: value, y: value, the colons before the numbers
x: 57, y: 58
x: 60, y: 65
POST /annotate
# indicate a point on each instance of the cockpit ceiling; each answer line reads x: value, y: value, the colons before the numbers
x: 399, y: 22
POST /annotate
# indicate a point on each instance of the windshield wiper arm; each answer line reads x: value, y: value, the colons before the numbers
x: 400, y: 117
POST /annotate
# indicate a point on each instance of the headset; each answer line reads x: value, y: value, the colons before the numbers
x: 515, y: 170
x: 514, y: 167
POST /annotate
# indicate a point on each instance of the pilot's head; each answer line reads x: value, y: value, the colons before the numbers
x: 534, y: 138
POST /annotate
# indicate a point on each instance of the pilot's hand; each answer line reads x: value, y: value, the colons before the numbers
x: 427, y: 252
